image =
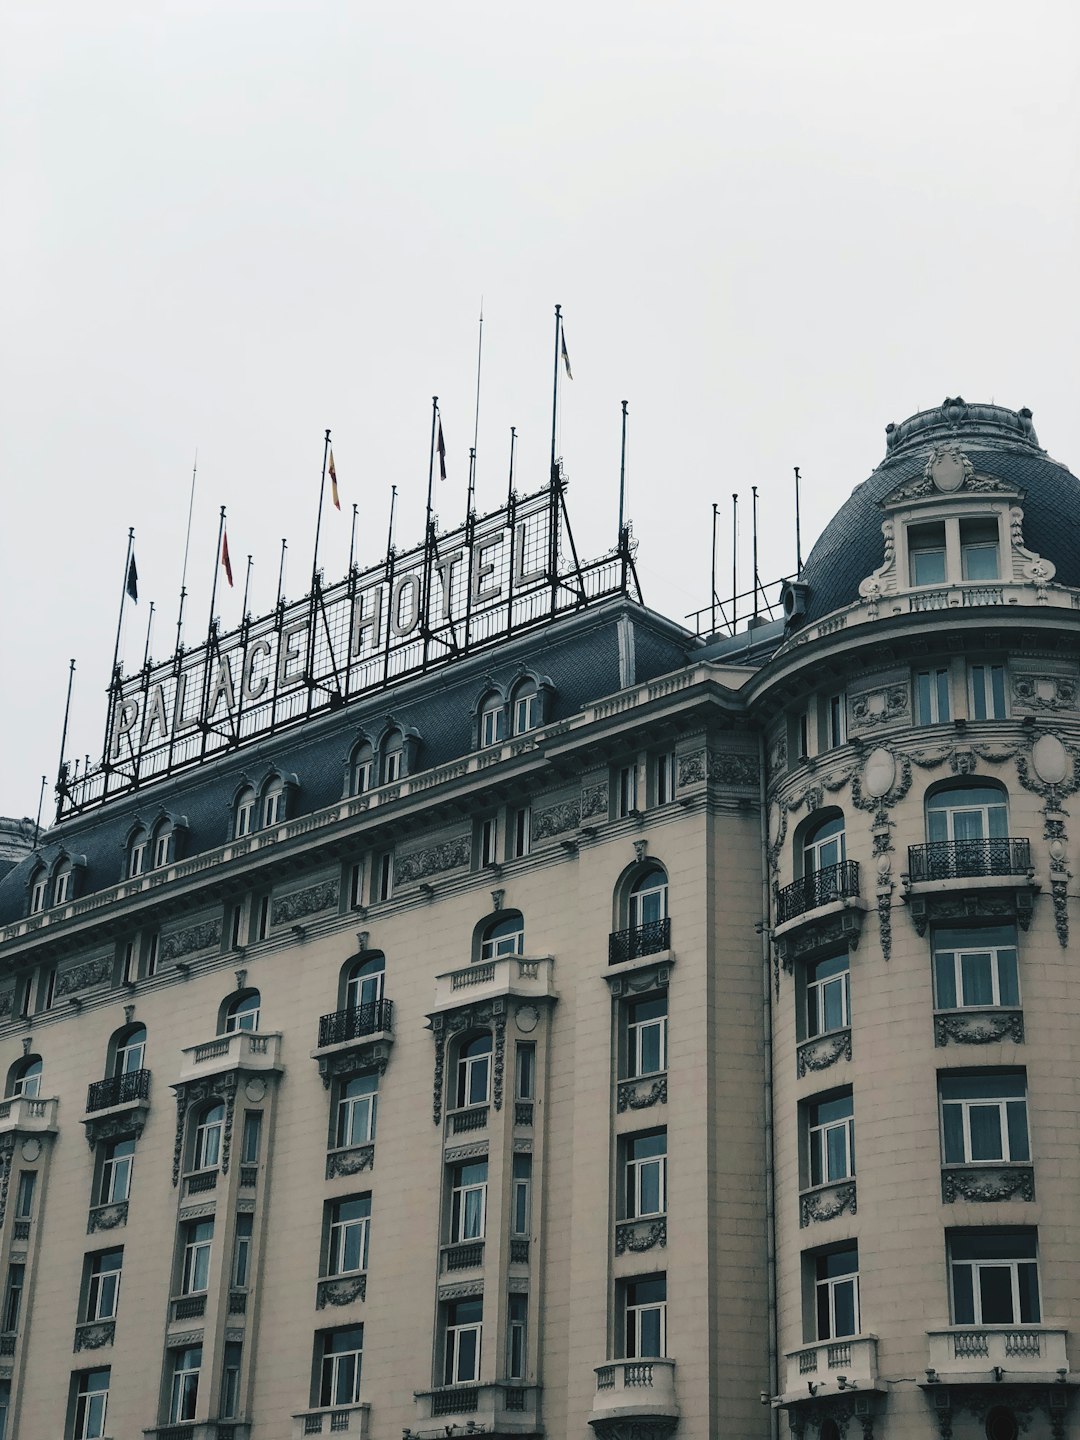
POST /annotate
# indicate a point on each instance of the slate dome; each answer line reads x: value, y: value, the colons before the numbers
x: 1001, y: 443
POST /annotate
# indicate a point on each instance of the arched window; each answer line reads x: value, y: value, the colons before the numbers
x: 24, y: 1078
x: 162, y: 851
x: 648, y: 897
x: 61, y: 883
x: 209, y: 1131
x: 474, y: 1071
x: 240, y: 1013
x: 273, y: 802
x: 136, y: 852
x: 244, y: 813
x: 823, y: 845
x: 393, y: 757
x: 129, y: 1050
x: 969, y: 812
x: 492, y: 719
x: 364, y: 982
x: 362, y: 768
x: 525, y: 707
x: 504, y: 935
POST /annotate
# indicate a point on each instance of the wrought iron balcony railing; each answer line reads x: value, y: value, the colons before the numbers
x: 355, y: 1023
x: 820, y: 887
x: 118, y: 1090
x: 966, y: 859
x: 639, y: 940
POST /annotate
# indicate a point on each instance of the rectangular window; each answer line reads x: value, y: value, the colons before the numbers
x: 926, y: 551
x: 37, y: 904
x: 356, y: 1107
x: 230, y: 1380
x: 273, y: 808
x: 47, y: 990
x: 252, y: 1141
x: 664, y: 778
x: 646, y: 1175
x: 184, y: 1389
x: 363, y: 774
x: 975, y: 967
x: 5, y: 1407
x: 384, y: 877
x: 988, y: 692
x: 626, y: 791
x: 241, y: 1266
x: 237, y: 927
x: 391, y: 766
x: 103, y: 1284
x: 461, y: 1354
x: 525, y: 716
x: 525, y: 1071
x: 645, y: 1317
x: 260, y: 919
x: 130, y: 971
x: 837, y: 721
x: 198, y: 1242
x: 24, y: 1198
x: 827, y: 996
x: 984, y: 1117
x: 152, y: 943
x: 493, y: 725
x: 995, y: 1278
x: 245, y: 817
x: 489, y: 841
x: 802, y: 735
x: 979, y: 549
x: 342, y: 1352
x: 522, y: 832
x: 831, y: 1139
x: 468, y: 1201
x: 836, y: 1293
x: 646, y: 1036
x: 517, y: 1320
x: 932, y: 697
x: 348, y: 1227
x: 356, y: 887
x: 13, y: 1297
x: 116, y: 1161
x: 62, y: 888
x: 161, y: 850
x: 91, y: 1405
x: 521, y: 1196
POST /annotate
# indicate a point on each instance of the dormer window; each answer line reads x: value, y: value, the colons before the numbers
x: 38, y: 891
x: 273, y: 804
x: 926, y: 550
x: 946, y: 552
x: 62, y: 884
x: 245, y: 813
x: 979, y: 549
x: 493, y: 721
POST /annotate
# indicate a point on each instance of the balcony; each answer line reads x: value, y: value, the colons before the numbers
x: 121, y: 1100
x: 356, y: 1038
x: 341, y: 1420
x: 831, y: 1367
x: 471, y: 1117
x: 639, y: 941
x: 985, y: 1354
x: 641, y: 1392
x: 502, y: 1408
x: 203, y: 1430
x: 463, y: 1255
x: 969, y: 859
x: 28, y: 1115
x: 246, y: 1050
x: 820, y: 887
x: 508, y: 975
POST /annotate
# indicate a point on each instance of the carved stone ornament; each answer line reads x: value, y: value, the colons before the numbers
x: 340, y: 1292
x: 107, y: 1217
x: 888, y: 705
x: 641, y: 1094
x: 1015, y: 902
x: 206, y: 936
x: 652, y: 1427
x: 461, y: 1290
x: 987, y: 1183
x: 81, y: 977
x: 948, y: 469
x: 835, y: 931
x: 487, y: 1015
x: 1043, y: 692
x: 1034, y: 568
x: 455, y: 1154
x: 637, y: 1236
x: 594, y: 801
x: 823, y: 1051
x: 7, y: 1002
x: 526, y: 1018
x: 690, y: 769
x: 645, y: 976
x: 556, y: 819
x: 884, y: 908
x: 127, y: 1125
x: 351, y: 1161
x: 979, y: 1027
x: 840, y: 1409
x: 1060, y: 895
x: 285, y: 909
x: 451, y: 854
x: 1023, y: 1400
x: 728, y: 769
x: 362, y: 1055
x: 93, y: 1336
x: 827, y: 1203
x: 7, y: 1150
x: 195, y: 1092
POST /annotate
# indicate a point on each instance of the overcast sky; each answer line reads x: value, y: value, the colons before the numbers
x: 773, y: 228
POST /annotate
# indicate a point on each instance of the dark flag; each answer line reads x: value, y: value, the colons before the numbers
x: 132, y: 586
x: 225, y: 557
x: 440, y: 445
x: 565, y: 356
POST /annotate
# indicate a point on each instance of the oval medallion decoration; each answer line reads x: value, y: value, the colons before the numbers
x: 879, y: 772
x: 255, y: 1090
x: 526, y: 1017
x: 1050, y: 759
x: 31, y: 1149
x: 948, y: 467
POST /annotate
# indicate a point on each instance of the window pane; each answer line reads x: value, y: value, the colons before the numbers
x: 833, y: 1003
x: 1030, y: 1312
x: 977, y: 979
x: 942, y: 683
x: 844, y: 1305
x: 996, y: 1295
x: 1008, y: 983
x: 945, y: 976
x: 953, y: 1126
x: 1016, y: 1110
x: 837, y: 1149
x: 650, y: 1329
x: 963, y: 1296
x: 928, y: 567
x: 985, y: 1124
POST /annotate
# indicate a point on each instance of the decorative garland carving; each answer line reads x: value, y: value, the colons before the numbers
x: 94, y: 1336
x: 81, y: 977
x: 364, y: 1055
x: 980, y: 1028
x: 827, y: 1204
x: 1044, y: 692
x: 887, y: 705
x: 725, y: 768
x: 287, y: 908
x: 637, y: 1236
x: 206, y: 936
x: 434, y: 860
x: 556, y: 819
x: 485, y: 1015
x: 126, y: 1126
x: 630, y: 1097
x: 988, y: 1185
x: 1016, y: 903
x: 823, y: 1051
x: 691, y: 769
x: 1059, y: 894
x: 351, y: 1161
x: 594, y: 800
x: 194, y: 1092
x: 653, y: 1427
x: 7, y: 1002
x: 340, y: 1292
x: 7, y: 1151
x: 107, y: 1217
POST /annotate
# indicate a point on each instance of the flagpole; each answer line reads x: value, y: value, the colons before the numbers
x: 553, y: 499
x: 61, y: 769
x: 476, y: 417
x: 217, y: 567
x: 40, y: 802
x: 429, y: 526
x: 352, y: 538
x: 712, y: 601
x: 281, y: 574
x: 734, y: 562
x: 123, y: 597
x: 753, y: 492
x: 149, y: 629
x: 622, y: 475
x: 187, y: 548
x: 798, y: 533
x: 247, y: 583
x: 510, y: 483
x: 472, y: 481
x: 390, y: 531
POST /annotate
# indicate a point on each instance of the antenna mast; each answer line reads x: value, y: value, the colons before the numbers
x: 798, y: 533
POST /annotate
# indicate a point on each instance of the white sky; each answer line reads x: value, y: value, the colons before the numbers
x: 773, y: 228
